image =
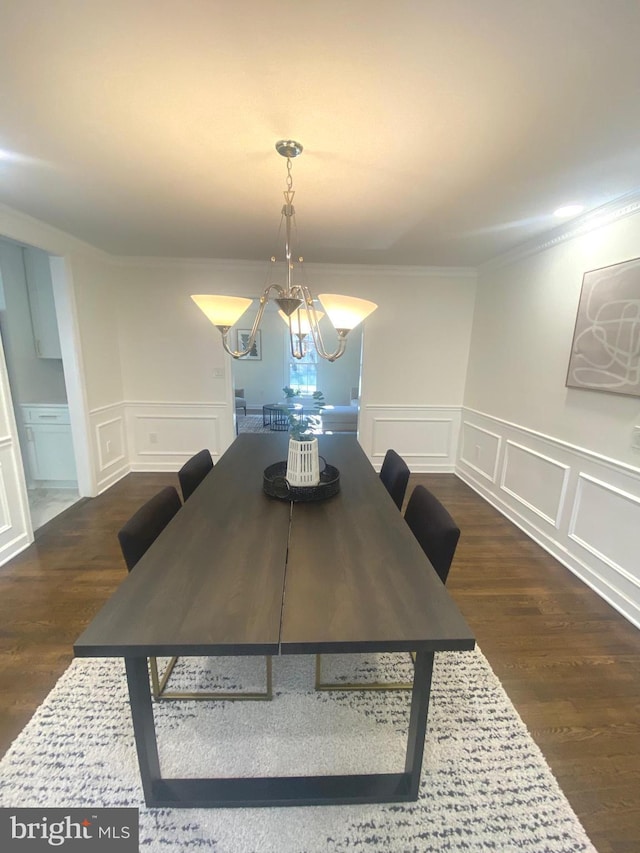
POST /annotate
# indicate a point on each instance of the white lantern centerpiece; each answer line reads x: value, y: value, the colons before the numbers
x: 303, y: 465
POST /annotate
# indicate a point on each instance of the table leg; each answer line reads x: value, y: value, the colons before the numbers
x: 418, y: 719
x: 143, y: 724
x: 283, y: 790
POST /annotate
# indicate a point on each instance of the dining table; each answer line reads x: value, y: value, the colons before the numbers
x: 237, y: 572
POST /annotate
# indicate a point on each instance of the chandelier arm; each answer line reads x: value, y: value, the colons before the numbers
x: 256, y: 324
x: 296, y: 353
x: 316, y: 334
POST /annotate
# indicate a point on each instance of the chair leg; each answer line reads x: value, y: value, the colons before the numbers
x: 355, y: 685
x: 158, y: 686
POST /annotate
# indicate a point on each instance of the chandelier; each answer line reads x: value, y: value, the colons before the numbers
x: 290, y: 292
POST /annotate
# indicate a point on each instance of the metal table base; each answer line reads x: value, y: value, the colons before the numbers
x: 276, y: 790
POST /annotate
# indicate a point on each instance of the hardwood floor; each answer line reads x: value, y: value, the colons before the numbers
x: 569, y: 662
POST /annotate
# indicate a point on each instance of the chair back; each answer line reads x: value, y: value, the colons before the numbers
x: 395, y: 476
x: 436, y: 532
x: 144, y: 527
x: 193, y: 472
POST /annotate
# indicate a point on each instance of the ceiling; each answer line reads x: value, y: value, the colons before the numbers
x: 436, y: 132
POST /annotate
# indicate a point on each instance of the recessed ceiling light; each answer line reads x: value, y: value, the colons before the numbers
x: 568, y: 210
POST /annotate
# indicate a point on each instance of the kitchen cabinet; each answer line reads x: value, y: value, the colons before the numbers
x: 49, y: 447
x: 41, y: 304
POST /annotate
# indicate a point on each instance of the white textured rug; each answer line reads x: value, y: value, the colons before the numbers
x: 485, y: 784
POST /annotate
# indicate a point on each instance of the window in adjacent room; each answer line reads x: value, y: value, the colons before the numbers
x: 303, y: 373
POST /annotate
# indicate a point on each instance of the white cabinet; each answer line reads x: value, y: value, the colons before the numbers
x: 49, y: 447
x: 41, y: 304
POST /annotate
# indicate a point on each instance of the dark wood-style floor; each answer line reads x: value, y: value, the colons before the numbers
x: 569, y: 662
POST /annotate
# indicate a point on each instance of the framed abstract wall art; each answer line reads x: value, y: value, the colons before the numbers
x: 255, y: 353
x: 605, y: 353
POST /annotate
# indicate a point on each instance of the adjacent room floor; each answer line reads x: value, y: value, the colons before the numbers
x: 45, y: 504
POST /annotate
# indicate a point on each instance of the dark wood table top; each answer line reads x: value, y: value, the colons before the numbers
x: 357, y: 580
x: 214, y: 581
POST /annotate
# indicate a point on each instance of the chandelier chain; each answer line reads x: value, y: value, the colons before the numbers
x: 289, y: 176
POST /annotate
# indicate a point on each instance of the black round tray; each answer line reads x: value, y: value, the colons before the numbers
x: 276, y: 485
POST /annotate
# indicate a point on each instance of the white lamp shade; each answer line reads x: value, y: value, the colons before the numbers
x: 222, y: 310
x: 345, y: 312
x: 300, y: 315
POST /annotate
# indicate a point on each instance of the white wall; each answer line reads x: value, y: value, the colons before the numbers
x: 337, y: 378
x: 522, y: 334
x: 556, y: 460
x: 263, y: 380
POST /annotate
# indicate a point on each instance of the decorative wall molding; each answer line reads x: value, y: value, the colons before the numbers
x: 5, y: 513
x: 106, y: 433
x: 15, y: 530
x: 110, y: 444
x: 425, y: 436
x: 22, y: 228
x: 600, y: 458
x: 593, y: 530
x: 163, y: 405
x: 582, y: 508
x: 162, y: 436
x: 619, y: 208
x: 480, y: 447
x: 537, y: 477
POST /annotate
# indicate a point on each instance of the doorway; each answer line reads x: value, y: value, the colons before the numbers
x: 263, y: 375
x: 36, y: 378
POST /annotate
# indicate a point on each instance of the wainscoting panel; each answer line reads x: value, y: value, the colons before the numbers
x: 14, y: 534
x: 480, y: 450
x: 581, y: 507
x: 5, y: 514
x: 536, y: 481
x: 425, y: 436
x: 600, y: 523
x: 110, y: 444
x: 163, y: 436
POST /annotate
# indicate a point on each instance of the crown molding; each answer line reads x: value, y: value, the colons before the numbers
x: 21, y: 228
x: 157, y: 262
x: 621, y: 207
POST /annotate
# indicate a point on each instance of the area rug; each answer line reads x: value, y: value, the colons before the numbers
x: 485, y: 784
x: 251, y: 423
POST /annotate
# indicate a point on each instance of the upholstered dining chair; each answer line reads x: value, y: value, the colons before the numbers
x: 136, y: 537
x: 145, y: 525
x: 193, y: 472
x: 241, y: 402
x: 395, y: 476
x: 437, y: 534
x: 432, y: 525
